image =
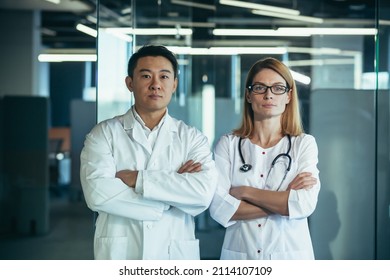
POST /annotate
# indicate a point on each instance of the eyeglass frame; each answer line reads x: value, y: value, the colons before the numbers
x: 286, y: 88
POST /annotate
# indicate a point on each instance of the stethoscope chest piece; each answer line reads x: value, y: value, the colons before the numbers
x: 245, y: 167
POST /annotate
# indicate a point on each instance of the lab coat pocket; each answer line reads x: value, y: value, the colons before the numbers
x: 184, y: 250
x: 111, y: 248
x: 232, y: 255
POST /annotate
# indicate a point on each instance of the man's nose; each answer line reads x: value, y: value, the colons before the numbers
x: 155, y: 85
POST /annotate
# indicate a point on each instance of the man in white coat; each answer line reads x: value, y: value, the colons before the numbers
x: 146, y: 174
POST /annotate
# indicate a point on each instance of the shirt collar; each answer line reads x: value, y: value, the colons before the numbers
x: 138, y: 118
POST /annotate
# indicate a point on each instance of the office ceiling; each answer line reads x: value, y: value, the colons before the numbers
x: 59, y: 20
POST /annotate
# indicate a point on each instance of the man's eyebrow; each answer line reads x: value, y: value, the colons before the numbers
x: 162, y: 70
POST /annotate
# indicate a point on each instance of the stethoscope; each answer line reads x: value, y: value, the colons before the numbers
x: 246, y: 167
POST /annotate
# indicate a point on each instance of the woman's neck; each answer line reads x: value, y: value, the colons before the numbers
x: 267, y: 134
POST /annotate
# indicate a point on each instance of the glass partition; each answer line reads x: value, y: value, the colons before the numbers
x: 382, y: 148
x: 341, y: 67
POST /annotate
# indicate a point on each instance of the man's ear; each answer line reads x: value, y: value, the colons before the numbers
x: 175, y: 85
x: 129, y: 83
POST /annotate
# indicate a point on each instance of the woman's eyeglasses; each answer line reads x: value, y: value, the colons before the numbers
x: 261, y: 89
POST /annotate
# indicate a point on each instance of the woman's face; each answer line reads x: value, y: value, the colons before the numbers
x: 268, y: 105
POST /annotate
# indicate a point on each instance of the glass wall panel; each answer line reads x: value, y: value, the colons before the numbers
x: 383, y: 133
x: 339, y: 57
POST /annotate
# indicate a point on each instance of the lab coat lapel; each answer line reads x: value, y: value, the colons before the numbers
x: 134, y: 130
x: 164, y: 139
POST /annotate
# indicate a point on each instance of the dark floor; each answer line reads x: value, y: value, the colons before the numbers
x: 70, y: 236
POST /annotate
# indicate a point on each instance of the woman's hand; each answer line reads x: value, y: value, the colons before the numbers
x: 303, y: 180
x: 237, y: 192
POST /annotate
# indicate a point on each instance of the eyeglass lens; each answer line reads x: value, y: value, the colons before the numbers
x: 261, y: 89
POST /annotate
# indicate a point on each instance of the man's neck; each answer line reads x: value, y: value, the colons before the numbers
x: 151, y: 119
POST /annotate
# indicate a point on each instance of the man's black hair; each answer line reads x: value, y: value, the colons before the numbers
x: 151, y: 50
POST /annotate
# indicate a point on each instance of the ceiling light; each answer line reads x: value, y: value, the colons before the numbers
x: 119, y: 35
x: 126, y: 11
x: 66, y: 57
x: 227, y: 50
x: 54, y: 1
x: 87, y: 30
x: 384, y: 22
x: 256, y: 32
x: 295, y: 32
x: 92, y: 19
x: 300, y: 77
x: 186, y: 23
x: 321, y: 62
x: 329, y: 31
x: 48, y: 32
x: 194, y: 4
x: 287, y: 16
x: 152, y: 31
x: 247, y: 50
x: 254, y: 6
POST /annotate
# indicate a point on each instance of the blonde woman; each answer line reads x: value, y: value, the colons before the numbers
x: 268, y: 184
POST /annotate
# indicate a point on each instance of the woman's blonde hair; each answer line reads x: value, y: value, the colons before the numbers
x: 291, y: 122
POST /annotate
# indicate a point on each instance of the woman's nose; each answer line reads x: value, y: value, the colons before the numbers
x: 268, y: 94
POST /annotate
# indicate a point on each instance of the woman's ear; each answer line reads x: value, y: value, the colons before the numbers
x: 289, y: 93
x: 248, y: 96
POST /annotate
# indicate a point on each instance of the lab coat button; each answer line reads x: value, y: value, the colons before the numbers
x: 259, y: 225
x: 259, y: 251
x: 261, y: 175
x: 149, y: 225
x: 263, y: 153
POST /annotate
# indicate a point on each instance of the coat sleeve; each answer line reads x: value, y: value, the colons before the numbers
x: 102, y: 191
x: 223, y: 205
x: 189, y: 192
x: 302, y: 203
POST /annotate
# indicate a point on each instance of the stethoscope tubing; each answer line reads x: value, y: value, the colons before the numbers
x: 246, y: 167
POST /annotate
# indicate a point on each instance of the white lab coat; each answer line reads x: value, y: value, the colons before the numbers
x: 157, y: 222
x: 276, y: 236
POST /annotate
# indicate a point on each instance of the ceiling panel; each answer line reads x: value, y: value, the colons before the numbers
x: 59, y: 21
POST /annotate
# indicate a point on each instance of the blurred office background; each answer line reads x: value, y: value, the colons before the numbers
x: 338, y: 51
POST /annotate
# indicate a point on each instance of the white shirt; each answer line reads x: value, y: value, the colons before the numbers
x: 276, y: 236
x: 155, y: 220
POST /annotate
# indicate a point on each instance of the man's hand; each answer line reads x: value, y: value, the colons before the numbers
x: 303, y: 180
x: 129, y: 177
x: 190, y: 167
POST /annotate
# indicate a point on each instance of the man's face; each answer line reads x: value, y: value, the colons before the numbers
x: 153, y: 84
